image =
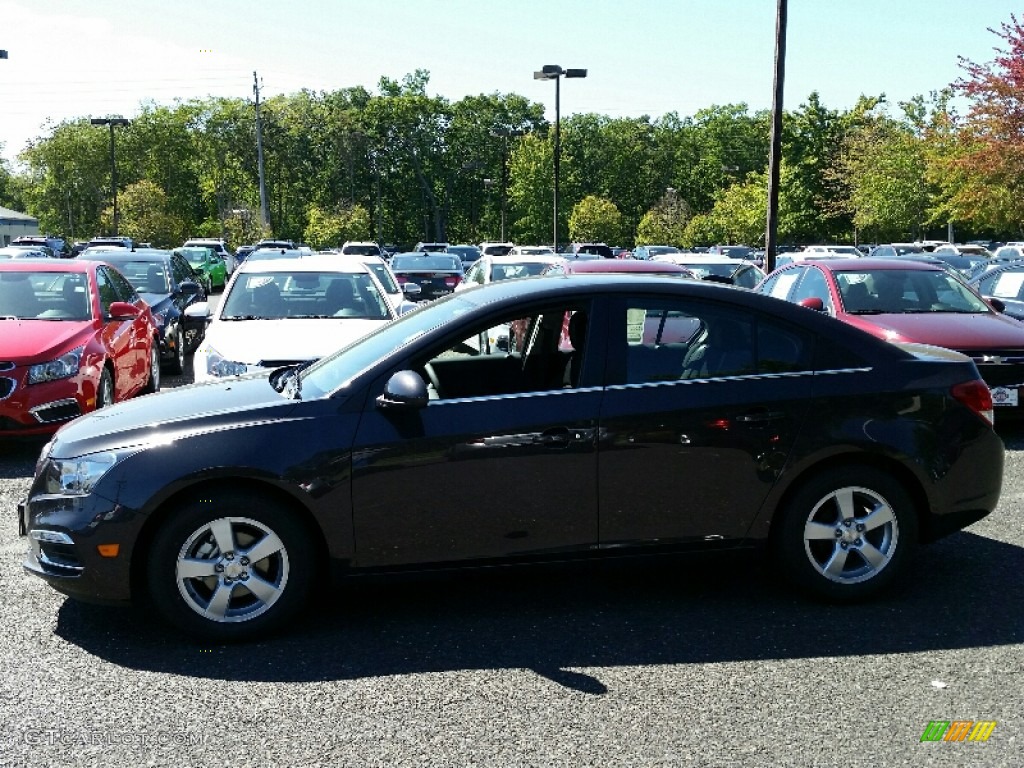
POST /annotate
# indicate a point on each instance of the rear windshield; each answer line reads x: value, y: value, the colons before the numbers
x: 424, y: 262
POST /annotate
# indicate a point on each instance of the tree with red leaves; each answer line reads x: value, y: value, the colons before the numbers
x: 988, y: 165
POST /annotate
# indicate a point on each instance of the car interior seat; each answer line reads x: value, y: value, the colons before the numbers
x: 577, y: 335
x: 856, y: 297
x: 76, y: 301
x: 266, y: 300
x: 341, y: 299
x: 17, y: 298
x: 155, y: 281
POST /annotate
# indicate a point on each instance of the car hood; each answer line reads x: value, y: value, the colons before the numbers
x: 956, y: 331
x: 164, y: 415
x: 27, y: 341
x: 247, y: 341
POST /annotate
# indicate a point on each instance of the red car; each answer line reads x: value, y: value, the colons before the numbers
x: 903, y: 300
x: 74, y: 337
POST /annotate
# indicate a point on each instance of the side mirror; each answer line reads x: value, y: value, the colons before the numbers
x: 189, y: 288
x: 198, y: 311
x: 405, y: 390
x: 122, y: 310
x: 996, y: 304
x: 813, y: 302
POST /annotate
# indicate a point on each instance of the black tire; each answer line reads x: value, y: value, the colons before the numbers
x: 176, y: 365
x: 153, y: 383
x: 847, y: 533
x: 105, y: 390
x: 219, y: 603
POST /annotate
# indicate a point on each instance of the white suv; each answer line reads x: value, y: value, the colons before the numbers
x: 357, y: 248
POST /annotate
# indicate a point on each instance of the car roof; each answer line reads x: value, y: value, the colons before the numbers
x: 308, y: 262
x: 626, y: 265
x: 525, y: 258
x: 840, y: 264
x: 48, y: 265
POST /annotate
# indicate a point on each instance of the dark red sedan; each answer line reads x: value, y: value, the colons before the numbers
x: 903, y: 300
x: 74, y: 337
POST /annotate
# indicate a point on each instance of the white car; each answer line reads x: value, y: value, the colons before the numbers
x: 490, y: 269
x: 709, y: 266
x: 830, y: 251
x: 284, y: 311
x: 532, y: 250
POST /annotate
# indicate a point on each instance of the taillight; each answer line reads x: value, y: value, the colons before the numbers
x: 402, y: 279
x: 452, y: 281
x: 976, y: 396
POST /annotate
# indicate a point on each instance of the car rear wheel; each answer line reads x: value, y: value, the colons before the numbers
x: 230, y: 566
x: 847, y: 533
x: 153, y: 383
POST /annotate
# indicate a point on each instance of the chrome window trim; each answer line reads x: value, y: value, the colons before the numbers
x: 515, y: 395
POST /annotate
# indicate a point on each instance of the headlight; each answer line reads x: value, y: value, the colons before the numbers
x: 63, y: 367
x: 77, y: 476
x: 218, y: 365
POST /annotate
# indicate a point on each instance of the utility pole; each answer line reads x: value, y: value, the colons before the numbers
x: 775, y: 158
x: 264, y: 220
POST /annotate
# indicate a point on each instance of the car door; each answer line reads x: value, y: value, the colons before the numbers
x: 502, y: 464
x: 119, y: 337
x: 703, y: 403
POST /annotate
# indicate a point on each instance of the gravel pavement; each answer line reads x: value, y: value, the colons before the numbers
x: 704, y: 663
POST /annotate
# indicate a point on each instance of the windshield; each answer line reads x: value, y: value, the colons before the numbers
x: 295, y: 295
x: 196, y: 256
x: 44, y: 296
x: 145, y: 276
x: 337, y: 370
x: 505, y: 271
x: 897, y: 291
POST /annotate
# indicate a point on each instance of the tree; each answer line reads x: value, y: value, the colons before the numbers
x: 988, y: 159
x: 329, y: 229
x: 665, y: 222
x: 595, y: 220
x: 144, y: 214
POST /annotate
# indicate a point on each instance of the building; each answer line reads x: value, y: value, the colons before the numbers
x: 14, y: 224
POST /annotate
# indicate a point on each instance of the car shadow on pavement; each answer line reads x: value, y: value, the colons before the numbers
x: 563, y: 622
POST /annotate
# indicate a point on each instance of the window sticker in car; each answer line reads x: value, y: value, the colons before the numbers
x: 1008, y: 285
x: 635, y: 325
x: 783, y: 285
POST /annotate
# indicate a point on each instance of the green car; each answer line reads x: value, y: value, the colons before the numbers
x: 209, y: 265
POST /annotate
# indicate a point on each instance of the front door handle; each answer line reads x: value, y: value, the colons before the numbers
x: 760, y: 417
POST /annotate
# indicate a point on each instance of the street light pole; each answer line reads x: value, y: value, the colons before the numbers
x: 556, y: 73
x: 112, y: 121
x: 504, y: 134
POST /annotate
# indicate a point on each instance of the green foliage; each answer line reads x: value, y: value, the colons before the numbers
x: 595, y: 220
x: 330, y: 229
x: 666, y: 222
x: 145, y: 216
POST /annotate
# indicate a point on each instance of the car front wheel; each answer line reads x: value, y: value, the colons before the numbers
x: 230, y: 566
x: 177, y: 363
x: 847, y: 533
x: 153, y: 382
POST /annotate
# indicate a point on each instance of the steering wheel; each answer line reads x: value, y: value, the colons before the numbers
x: 432, y: 378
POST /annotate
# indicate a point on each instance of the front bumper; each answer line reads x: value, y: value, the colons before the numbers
x: 64, y: 534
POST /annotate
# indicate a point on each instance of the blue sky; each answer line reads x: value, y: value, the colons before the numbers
x: 74, y: 58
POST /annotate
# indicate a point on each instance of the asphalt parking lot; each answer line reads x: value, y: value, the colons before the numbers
x: 702, y: 663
